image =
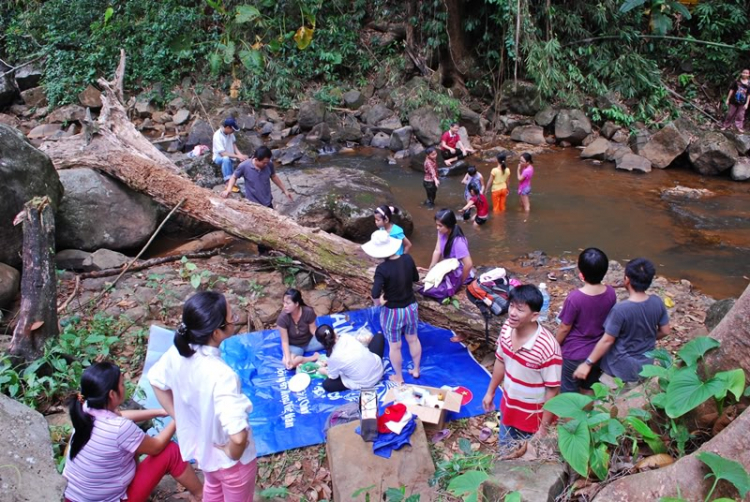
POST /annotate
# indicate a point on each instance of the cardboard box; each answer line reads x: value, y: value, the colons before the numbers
x: 433, y: 418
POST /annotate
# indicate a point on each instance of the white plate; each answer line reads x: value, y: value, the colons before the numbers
x: 299, y: 382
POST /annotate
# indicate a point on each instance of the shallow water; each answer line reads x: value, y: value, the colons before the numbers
x: 576, y: 204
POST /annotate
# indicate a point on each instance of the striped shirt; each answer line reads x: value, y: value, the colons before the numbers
x: 528, y: 371
x: 105, y: 466
x: 430, y: 169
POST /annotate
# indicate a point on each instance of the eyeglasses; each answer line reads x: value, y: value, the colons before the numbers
x: 235, y: 320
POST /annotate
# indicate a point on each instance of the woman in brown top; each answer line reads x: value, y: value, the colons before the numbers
x: 297, y: 326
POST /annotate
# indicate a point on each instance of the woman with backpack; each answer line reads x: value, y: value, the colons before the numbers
x: 737, y: 102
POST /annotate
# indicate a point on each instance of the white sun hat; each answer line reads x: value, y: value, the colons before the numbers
x: 381, y: 245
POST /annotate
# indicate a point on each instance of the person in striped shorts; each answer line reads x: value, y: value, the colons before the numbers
x: 528, y: 364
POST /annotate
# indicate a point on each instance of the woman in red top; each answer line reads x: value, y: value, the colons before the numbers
x: 479, y: 201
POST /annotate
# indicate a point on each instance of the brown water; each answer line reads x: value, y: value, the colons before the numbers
x: 576, y: 204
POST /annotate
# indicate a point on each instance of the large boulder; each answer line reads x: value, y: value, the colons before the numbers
x: 8, y: 88
x: 90, y: 97
x: 531, y: 134
x: 400, y: 139
x: 377, y: 114
x: 29, y: 76
x: 426, y: 125
x: 25, y: 173
x: 665, y: 146
x: 29, y: 473
x: 201, y: 133
x: 596, y: 150
x: 522, y: 98
x: 546, y: 117
x: 741, y: 170
x: 471, y: 120
x: 381, y: 140
x: 615, y: 151
x: 633, y: 162
x: 389, y: 124
x: 100, y: 212
x: 10, y: 281
x: 712, y: 154
x: 572, y: 126
x: 34, y: 97
x: 353, y: 99
x: 741, y: 141
x: 609, y: 129
x: 311, y: 113
x: 337, y: 200
x: 348, y: 130
x: 67, y: 114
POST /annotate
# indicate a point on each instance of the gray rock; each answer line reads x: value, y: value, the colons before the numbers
x: 8, y: 87
x: 546, y: 117
x: 376, y: 114
x: 71, y: 259
x: 290, y: 117
x: 426, y: 125
x: 30, y: 473
x: 246, y: 122
x: 596, y: 150
x: 390, y: 124
x: 633, y: 162
x: 176, y: 104
x: 353, y: 99
x: 639, y: 139
x: 200, y: 133
x: 248, y: 143
x: 609, y: 129
x: 616, y: 151
x: 338, y: 200
x: 536, y: 481
x: 741, y: 170
x: 266, y: 128
x: 29, y: 76
x: 589, y: 139
x: 98, y: 211
x: 104, y: 259
x: 664, y: 146
x: 471, y: 120
x: 400, y: 139
x: 44, y: 131
x: 320, y: 132
x: 381, y: 140
x: 572, y: 126
x: 401, y: 155
x: 67, y: 114
x: 201, y: 170
x: 531, y: 134
x: 90, y: 97
x: 349, y: 130
x: 34, y: 97
x: 290, y: 154
x: 741, y: 141
x: 367, y: 137
x: 510, y: 122
x: 10, y: 281
x: 712, y: 154
x: 181, y: 117
x: 620, y: 136
x: 272, y: 115
x: 10, y: 120
x: 311, y: 113
x: 144, y: 108
x: 26, y: 173
x: 716, y: 312
x: 523, y: 98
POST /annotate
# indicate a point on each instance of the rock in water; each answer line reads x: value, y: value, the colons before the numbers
x: 712, y: 154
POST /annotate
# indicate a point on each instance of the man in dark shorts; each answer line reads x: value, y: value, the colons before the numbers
x: 451, y: 146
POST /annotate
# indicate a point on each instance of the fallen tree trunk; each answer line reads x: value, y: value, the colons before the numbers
x: 115, y: 147
x: 37, y: 318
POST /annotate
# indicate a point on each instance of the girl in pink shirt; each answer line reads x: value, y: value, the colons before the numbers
x: 525, y: 172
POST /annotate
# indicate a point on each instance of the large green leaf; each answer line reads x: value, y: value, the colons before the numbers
x: 611, y: 432
x: 568, y: 405
x: 252, y: 59
x: 651, y: 370
x: 600, y: 461
x: 728, y: 470
x: 246, y: 13
x: 512, y: 497
x: 662, y: 356
x: 631, y: 4
x: 734, y: 382
x: 686, y: 392
x: 680, y: 9
x: 467, y: 484
x: 696, y: 348
x: 640, y: 427
x: 574, y: 440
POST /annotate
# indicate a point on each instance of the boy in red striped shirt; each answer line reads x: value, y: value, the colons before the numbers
x: 529, y: 365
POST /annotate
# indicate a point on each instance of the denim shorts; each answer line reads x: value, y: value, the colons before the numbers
x: 570, y: 384
x: 312, y: 346
x: 525, y: 191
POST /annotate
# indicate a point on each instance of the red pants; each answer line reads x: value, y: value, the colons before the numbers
x: 498, y: 200
x: 149, y: 472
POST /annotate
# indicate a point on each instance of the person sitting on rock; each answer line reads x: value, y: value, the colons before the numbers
x: 451, y: 146
x: 225, y: 150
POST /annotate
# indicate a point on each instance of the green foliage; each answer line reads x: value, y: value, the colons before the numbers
x: 198, y: 278
x: 289, y: 268
x: 726, y: 469
x: 453, y: 301
x: 468, y: 460
x: 661, y: 12
x: 467, y: 485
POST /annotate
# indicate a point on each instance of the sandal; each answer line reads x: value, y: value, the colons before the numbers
x: 441, y: 435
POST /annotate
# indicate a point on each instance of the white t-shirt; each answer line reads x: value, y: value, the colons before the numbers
x: 209, y: 405
x: 357, y: 366
x: 223, y: 143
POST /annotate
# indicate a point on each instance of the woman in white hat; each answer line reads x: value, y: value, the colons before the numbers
x: 393, y: 290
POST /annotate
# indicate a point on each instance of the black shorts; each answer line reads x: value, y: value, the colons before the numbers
x: 448, y: 155
x: 570, y: 384
x: 480, y: 221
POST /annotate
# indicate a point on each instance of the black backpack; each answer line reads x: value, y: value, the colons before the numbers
x: 491, y: 298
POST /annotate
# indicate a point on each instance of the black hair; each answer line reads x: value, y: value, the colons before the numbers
x: 473, y: 188
x: 387, y: 212
x: 327, y: 338
x: 527, y: 294
x: 202, y: 314
x: 430, y: 150
x: 641, y: 272
x: 295, y: 296
x: 472, y: 170
x: 526, y: 156
x: 96, y: 382
x: 501, y: 158
x: 448, y: 218
x: 593, y: 264
x: 262, y: 153
x: 454, y: 124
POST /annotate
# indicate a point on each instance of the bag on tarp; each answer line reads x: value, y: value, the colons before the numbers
x: 491, y: 298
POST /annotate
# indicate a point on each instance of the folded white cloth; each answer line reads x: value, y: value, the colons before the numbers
x: 492, y: 275
x: 397, y: 427
x: 436, y: 273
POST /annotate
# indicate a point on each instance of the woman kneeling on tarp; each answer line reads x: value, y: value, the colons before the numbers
x: 350, y: 365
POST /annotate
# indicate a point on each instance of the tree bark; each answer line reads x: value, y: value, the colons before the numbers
x: 37, y: 320
x: 119, y: 150
x: 455, y: 60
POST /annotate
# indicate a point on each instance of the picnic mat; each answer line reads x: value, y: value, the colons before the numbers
x: 282, y: 420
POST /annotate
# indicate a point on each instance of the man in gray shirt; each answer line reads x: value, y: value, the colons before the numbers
x: 631, y: 329
x: 258, y: 173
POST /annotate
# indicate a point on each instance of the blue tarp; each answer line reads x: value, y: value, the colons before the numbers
x: 282, y: 419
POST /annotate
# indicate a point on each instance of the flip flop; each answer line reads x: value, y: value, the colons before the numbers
x: 441, y: 435
x: 485, y: 434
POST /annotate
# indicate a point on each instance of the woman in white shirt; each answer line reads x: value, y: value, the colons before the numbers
x: 202, y: 393
x: 350, y: 365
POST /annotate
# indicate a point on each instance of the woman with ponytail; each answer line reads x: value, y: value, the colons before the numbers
x: 203, y: 394
x: 384, y: 220
x: 350, y: 365
x: 101, y: 464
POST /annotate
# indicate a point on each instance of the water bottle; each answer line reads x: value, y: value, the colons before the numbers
x: 545, y: 304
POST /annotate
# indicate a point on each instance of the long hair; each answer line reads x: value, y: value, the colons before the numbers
x: 448, y: 218
x: 202, y: 314
x: 387, y: 212
x: 295, y: 296
x: 501, y: 158
x: 327, y: 338
x: 96, y: 382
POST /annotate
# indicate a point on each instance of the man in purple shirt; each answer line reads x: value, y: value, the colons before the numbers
x: 582, y: 319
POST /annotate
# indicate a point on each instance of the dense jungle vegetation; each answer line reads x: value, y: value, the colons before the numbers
x: 639, y: 51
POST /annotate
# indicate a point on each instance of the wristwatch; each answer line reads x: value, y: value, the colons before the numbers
x: 589, y: 362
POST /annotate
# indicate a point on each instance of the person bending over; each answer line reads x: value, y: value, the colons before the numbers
x: 350, y: 365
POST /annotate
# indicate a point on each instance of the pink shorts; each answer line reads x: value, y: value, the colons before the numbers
x: 235, y: 484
